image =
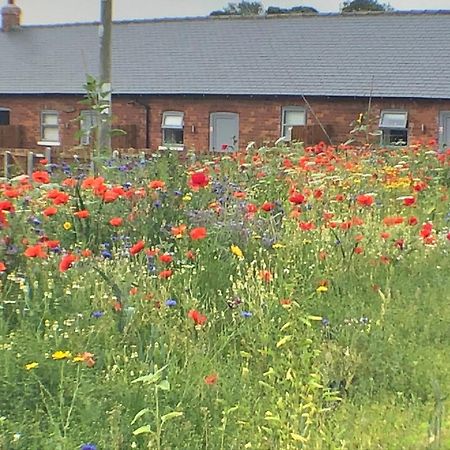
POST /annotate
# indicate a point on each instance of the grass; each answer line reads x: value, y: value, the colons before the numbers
x: 313, y: 314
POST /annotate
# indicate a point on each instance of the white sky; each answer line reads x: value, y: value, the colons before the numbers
x: 66, y: 11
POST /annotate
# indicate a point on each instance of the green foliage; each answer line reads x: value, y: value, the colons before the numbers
x: 272, y: 332
x: 365, y: 5
x: 243, y: 8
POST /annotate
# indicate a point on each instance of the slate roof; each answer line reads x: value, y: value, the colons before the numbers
x: 388, y: 55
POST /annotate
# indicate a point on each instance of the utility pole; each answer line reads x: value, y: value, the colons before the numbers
x: 104, y: 131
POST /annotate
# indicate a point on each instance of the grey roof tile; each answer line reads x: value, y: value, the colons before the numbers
x: 390, y: 55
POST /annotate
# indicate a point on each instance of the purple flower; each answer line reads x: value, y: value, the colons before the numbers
x: 88, y: 446
x: 246, y: 314
x: 171, y: 302
x: 97, y: 314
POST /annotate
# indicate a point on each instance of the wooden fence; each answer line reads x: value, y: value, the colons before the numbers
x: 19, y: 161
x: 311, y: 134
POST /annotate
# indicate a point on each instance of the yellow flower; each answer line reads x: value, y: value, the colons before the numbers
x: 61, y: 355
x: 78, y: 358
x: 278, y: 245
x: 322, y: 289
x: 31, y: 366
x: 67, y: 226
x: 237, y: 251
x: 187, y: 198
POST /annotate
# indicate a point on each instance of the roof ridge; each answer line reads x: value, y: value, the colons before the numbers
x: 260, y: 17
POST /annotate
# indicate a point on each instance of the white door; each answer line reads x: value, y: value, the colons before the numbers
x: 224, y: 132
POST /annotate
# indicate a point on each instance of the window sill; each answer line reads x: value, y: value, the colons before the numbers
x: 175, y: 147
x: 49, y: 143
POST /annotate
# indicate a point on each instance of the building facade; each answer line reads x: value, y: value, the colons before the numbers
x: 167, y: 98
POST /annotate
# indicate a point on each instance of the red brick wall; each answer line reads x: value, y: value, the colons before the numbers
x: 259, y: 118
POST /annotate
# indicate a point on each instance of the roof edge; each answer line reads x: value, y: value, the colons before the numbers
x: 261, y: 17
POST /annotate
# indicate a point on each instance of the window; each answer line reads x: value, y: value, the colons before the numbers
x: 394, y: 127
x: 49, y: 126
x: 172, y: 128
x: 292, y: 116
x: 88, y: 123
x: 4, y: 116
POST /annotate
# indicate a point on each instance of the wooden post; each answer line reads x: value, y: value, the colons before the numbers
x: 30, y: 163
x: 48, y: 154
x: 6, y: 164
x: 105, y: 32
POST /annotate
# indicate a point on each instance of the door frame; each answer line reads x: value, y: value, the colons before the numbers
x: 442, y: 116
x: 213, y: 116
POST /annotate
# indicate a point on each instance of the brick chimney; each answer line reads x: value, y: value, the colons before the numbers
x: 10, y: 16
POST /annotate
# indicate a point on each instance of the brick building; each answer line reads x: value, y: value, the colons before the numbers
x: 218, y: 83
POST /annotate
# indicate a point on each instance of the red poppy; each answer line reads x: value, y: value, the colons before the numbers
x: 133, y: 291
x: 51, y: 243
x: 251, y: 208
x: 198, y: 180
x: 409, y: 201
x: 40, y: 176
x: 198, y: 233
x: 83, y: 214
x: 116, y: 221
x: 340, y: 197
x: 2, y: 266
x: 197, y: 317
x: 413, y: 221
x: 265, y: 275
x: 239, y: 195
x: 136, y: 248
x: 211, y: 379
x: 86, y: 253
x: 164, y: 274
x: 190, y: 254
x: 43, y: 161
x: 394, y: 220
x: 35, y: 251
x: 66, y: 262
x: 61, y: 199
x: 69, y: 182
x: 267, y: 206
x: 110, y: 196
x: 50, y: 211
x: 178, y: 231
x: 359, y: 250
x: 306, y: 226
x: 156, y: 184
x: 296, y: 198
x: 426, y: 230
x: 420, y: 186
x: 12, y: 193
x: 166, y: 258
x: 385, y: 235
x: 6, y: 205
x: 365, y: 200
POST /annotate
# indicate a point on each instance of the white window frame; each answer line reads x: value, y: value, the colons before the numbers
x: 86, y: 133
x: 286, y: 129
x: 388, y: 129
x: 9, y: 114
x: 165, y: 126
x: 44, y: 126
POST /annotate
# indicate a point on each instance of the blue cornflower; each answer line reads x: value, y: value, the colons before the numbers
x: 97, y: 314
x: 325, y: 322
x: 106, y: 254
x: 171, y: 302
x: 246, y: 314
x: 88, y: 446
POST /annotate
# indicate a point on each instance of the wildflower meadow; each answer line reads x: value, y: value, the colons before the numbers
x: 277, y: 298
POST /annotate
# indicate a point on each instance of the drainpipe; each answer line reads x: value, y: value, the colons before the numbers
x: 147, y: 121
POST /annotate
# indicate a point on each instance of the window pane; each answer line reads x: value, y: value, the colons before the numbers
x: 172, y: 136
x: 293, y: 118
x: 4, y: 117
x: 50, y: 134
x: 393, y: 119
x: 172, y: 120
x: 395, y: 137
x: 50, y: 118
x: 88, y: 120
